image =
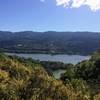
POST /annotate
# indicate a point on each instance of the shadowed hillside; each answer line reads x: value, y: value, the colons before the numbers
x: 83, y: 43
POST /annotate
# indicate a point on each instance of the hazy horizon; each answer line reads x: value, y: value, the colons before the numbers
x: 47, y: 31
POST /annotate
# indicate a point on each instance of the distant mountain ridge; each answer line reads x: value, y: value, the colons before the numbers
x: 50, y: 42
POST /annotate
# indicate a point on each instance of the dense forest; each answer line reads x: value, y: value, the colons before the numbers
x: 26, y: 79
x: 83, y: 43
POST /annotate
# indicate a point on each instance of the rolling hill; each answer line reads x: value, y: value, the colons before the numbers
x: 83, y: 43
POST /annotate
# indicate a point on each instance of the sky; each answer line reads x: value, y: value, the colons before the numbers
x: 50, y: 15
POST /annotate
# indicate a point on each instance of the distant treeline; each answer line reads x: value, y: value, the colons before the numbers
x: 83, y: 43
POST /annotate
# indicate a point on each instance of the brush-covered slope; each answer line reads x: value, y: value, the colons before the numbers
x: 22, y: 79
x: 87, y: 72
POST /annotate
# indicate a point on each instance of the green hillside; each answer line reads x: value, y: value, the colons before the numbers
x: 22, y: 79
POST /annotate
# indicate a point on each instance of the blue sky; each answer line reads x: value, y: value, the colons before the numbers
x: 34, y: 15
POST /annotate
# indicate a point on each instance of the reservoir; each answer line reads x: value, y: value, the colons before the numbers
x: 74, y: 59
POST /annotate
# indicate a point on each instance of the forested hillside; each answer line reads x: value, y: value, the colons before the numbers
x: 50, y: 42
x: 24, y: 79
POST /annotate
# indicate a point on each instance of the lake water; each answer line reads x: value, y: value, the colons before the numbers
x: 74, y: 59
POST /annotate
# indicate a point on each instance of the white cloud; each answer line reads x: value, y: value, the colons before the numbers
x: 94, y: 5
x: 65, y: 3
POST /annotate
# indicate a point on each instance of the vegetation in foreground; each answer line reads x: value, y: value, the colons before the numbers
x: 22, y: 79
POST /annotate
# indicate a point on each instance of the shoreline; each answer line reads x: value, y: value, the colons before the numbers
x: 47, y: 53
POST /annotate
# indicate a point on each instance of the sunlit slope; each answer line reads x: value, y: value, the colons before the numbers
x: 25, y: 79
x: 22, y: 79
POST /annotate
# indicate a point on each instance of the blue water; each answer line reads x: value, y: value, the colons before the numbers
x: 59, y: 58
